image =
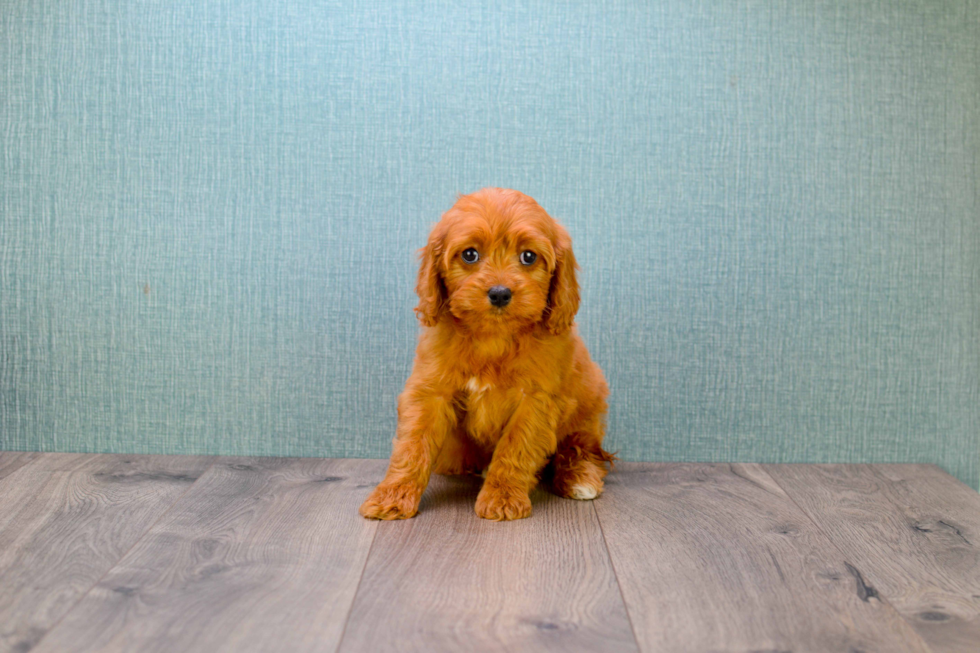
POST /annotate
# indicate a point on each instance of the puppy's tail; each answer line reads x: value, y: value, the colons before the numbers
x: 576, y: 450
x: 607, y: 457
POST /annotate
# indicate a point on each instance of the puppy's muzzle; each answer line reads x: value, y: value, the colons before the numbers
x: 499, y: 296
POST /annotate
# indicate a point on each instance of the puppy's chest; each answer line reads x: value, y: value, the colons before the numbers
x: 488, y: 404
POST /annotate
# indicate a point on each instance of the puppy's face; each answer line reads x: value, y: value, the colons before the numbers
x: 497, y: 261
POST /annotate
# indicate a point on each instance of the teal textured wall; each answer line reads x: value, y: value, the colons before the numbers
x: 209, y: 213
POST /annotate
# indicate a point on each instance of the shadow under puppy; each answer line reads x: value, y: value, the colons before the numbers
x: 502, y: 381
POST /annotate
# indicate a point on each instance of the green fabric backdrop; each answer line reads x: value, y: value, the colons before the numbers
x: 209, y: 213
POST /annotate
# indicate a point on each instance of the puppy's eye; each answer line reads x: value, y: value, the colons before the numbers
x: 470, y: 255
x: 528, y: 257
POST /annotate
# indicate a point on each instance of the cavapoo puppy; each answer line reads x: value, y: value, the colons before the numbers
x: 501, y: 382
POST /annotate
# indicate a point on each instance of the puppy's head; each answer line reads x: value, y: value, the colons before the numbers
x: 496, y: 261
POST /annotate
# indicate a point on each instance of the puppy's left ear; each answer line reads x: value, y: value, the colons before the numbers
x: 563, y: 296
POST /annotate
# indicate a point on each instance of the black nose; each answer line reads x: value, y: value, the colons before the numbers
x: 499, y: 296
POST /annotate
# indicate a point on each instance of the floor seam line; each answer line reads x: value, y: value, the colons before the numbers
x: 350, y: 611
x: 619, y: 585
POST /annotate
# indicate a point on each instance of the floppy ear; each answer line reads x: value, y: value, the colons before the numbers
x: 430, y: 287
x: 563, y: 295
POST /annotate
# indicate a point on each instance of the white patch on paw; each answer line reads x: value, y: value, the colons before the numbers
x: 584, y: 492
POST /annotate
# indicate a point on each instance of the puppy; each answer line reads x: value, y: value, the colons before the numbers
x: 502, y: 382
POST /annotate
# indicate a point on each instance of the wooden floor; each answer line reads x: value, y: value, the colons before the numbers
x: 158, y: 553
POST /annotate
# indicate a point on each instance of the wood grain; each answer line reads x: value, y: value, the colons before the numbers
x: 913, y: 530
x: 11, y: 461
x: 450, y: 581
x: 261, y: 555
x: 718, y: 558
x: 268, y: 555
x: 65, y: 519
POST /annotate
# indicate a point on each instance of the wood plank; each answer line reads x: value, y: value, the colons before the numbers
x: 718, y: 558
x: 450, y: 581
x: 261, y: 555
x: 65, y: 520
x: 11, y: 461
x: 913, y: 530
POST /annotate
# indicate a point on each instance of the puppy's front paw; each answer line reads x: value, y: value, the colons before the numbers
x: 502, y: 503
x: 392, y: 502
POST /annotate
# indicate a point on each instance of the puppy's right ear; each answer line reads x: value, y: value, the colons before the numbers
x: 430, y: 287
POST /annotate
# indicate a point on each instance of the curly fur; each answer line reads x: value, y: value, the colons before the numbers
x: 508, y: 390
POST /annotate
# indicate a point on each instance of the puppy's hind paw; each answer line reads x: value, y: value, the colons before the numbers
x: 584, y: 492
x: 581, y: 480
x: 392, y: 502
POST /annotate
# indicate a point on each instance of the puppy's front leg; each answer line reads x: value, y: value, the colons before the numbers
x: 424, y: 421
x: 523, y: 450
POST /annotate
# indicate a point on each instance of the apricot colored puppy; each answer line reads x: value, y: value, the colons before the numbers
x: 502, y: 381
